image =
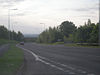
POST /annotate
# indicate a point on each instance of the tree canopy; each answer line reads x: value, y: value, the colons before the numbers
x: 4, y: 34
x: 68, y: 32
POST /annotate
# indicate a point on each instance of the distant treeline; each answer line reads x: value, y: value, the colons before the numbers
x: 67, y: 32
x: 4, y: 34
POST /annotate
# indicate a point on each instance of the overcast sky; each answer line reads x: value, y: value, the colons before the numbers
x: 31, y: 13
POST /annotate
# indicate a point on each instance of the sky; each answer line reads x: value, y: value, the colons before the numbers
x: 34, y: 16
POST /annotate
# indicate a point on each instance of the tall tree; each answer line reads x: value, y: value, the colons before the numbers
x: 87, y: 33
x: 20, y: 36
x: 3, y: 32
x: 67, y: 28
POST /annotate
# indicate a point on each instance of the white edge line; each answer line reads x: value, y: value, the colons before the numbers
x: 38, y: 59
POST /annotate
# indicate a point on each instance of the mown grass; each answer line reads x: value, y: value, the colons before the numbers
x: 11, y: 61
x: 70, y: 44
x: 75, y: 45
x: 57, y: 43
x: 4, y: 41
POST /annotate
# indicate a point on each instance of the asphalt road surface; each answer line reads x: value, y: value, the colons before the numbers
x: 59, y: 60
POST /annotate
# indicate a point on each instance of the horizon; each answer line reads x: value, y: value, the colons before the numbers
x: 52, y: 13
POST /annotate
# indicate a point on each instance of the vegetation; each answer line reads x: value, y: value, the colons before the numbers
x: 4, y: 34
x: 87, y: 33
x: 28, y: 39
x: 80, y: 45
x: 11, y: 61
x: 57, y: 34
x: 67, y: 32
x: 5, y: 41
x: 13, y: 58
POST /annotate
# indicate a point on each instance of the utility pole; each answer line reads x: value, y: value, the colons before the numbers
x: 12, y: 32
x: 9, y: 24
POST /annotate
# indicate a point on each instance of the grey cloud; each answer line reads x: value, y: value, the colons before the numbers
x: 20, y: 14
x: 86, y: 9
x: 81, y: 9
x: 92, y: 7
x: 9, y: 3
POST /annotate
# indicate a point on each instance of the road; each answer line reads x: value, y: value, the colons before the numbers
x: 59, y: 60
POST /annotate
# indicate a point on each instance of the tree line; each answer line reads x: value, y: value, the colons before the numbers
x: 67, y: 32
x: 4, y: 34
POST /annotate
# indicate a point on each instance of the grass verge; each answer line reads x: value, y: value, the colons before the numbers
x: 58, y: 43
x: 75, y: 45
x: 11, y: 61
x: 70, y: 44
x: 5, y: 41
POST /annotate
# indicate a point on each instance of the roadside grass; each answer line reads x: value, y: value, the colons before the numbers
x: 11, y: 61
x: 4, y: 41
x: 57, y: 43
x: 76, y: 45
x: 70, y: 44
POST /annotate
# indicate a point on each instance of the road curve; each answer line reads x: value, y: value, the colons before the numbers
x: 59, y: 60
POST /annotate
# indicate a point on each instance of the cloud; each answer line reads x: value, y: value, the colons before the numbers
x: 86, y: 9
x: 20, y: 14
x: 9, y: 3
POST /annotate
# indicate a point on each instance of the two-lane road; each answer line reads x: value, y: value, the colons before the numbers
x: 60, y: 60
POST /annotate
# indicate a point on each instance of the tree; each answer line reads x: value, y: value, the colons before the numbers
x: 13, y: 35
x: 67, y: 28
x: 95, y: 34
x: 68, y: 39
x: 69, y: 33
x: 89, y: 22
x: 87, y: 33
x: 3, y: 32
x: 50, y: 35
x: 20, y: 36
x: 58, y: 33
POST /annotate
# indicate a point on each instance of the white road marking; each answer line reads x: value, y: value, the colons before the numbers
x: 67, y: 66
x: 40, y: 58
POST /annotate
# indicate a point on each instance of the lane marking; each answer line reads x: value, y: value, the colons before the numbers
x: 40, y: 58
x: 66, y: 66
